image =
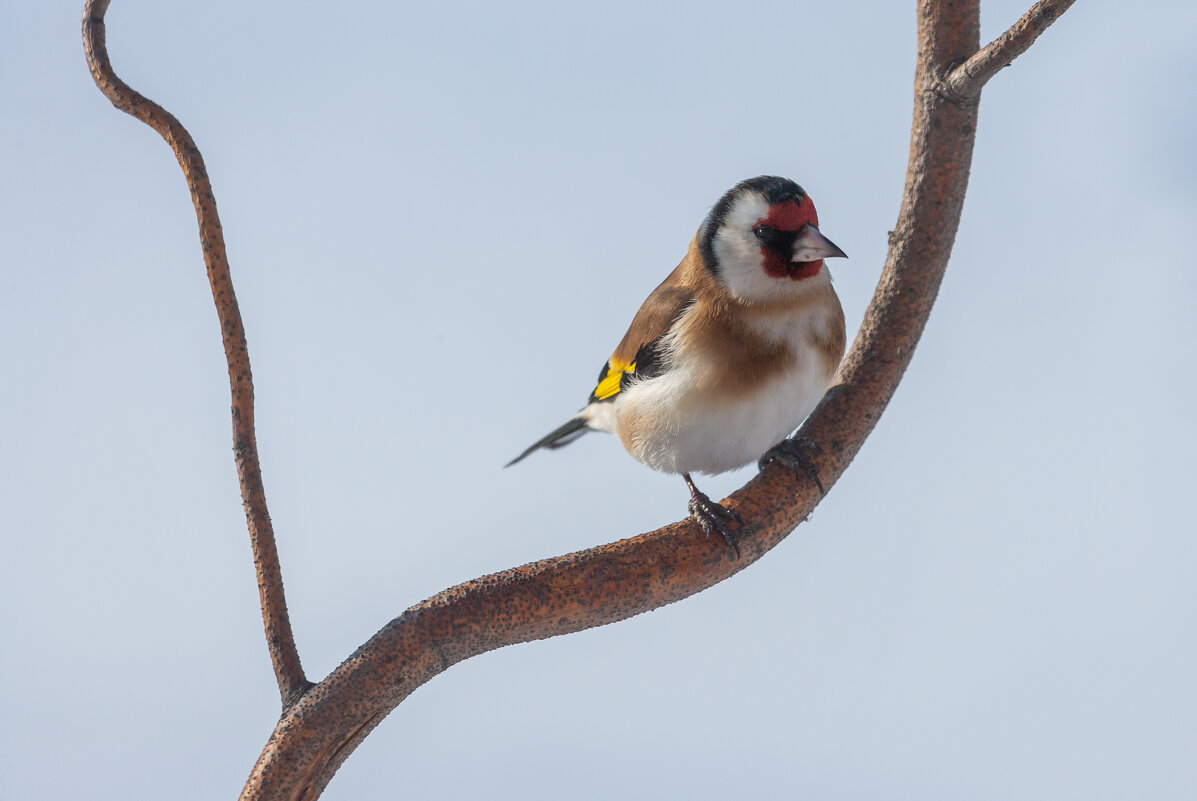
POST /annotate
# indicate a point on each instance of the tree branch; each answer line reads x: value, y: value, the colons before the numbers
x: 964, y: 83
x: 616, y: 581
x: 287, y: 669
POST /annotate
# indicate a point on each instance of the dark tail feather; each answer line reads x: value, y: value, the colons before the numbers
x: 557, y: 438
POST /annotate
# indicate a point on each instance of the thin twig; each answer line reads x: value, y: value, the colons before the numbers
x: 287, y: 669
x: 964, y: 83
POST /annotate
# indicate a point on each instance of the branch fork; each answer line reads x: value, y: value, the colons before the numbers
x: 322, y: 723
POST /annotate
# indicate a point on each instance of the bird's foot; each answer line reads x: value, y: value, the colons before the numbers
x: 795, y: 453
x: 714, y: 517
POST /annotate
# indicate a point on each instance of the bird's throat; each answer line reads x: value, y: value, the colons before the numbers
x: 800, y: 270
x: 777, y: 267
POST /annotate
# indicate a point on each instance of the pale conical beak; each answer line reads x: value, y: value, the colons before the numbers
x: 812, y: 246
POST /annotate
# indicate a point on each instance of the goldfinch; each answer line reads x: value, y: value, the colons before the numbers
x: 730, y: 353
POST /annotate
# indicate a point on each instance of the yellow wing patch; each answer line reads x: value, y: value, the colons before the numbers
x: 609, y: 386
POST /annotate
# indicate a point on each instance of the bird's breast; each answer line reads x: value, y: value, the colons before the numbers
x: 711, y: 413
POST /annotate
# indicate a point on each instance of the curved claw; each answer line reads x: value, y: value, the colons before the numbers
x: 795, y: 454
x: 713, y: 517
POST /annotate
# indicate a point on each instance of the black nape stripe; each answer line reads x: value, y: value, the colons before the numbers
x: 771, y: 187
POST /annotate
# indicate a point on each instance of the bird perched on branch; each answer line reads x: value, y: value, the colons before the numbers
x: 730, y: 353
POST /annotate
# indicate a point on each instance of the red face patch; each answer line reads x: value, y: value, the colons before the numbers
x: 789, y: 216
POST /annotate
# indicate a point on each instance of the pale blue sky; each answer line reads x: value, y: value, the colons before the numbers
x: 440, y: 222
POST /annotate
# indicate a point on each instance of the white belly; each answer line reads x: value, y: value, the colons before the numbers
x: 669, y: 425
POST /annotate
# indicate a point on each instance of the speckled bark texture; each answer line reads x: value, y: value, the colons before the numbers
x: 279, y: 639
x: 321, y: 724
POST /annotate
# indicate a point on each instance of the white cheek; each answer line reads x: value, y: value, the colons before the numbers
x: 741, y: 266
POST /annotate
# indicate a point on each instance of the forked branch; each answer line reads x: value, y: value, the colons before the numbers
x: 611, y: 582
x: 965, y: 82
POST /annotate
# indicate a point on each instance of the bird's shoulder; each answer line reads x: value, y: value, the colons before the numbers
x: 639, y: 354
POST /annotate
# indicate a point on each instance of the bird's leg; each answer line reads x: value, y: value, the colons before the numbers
x: 795, y: 453
x: 713, y: 516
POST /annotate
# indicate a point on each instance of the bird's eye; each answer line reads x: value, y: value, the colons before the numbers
x: 763, y: 233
